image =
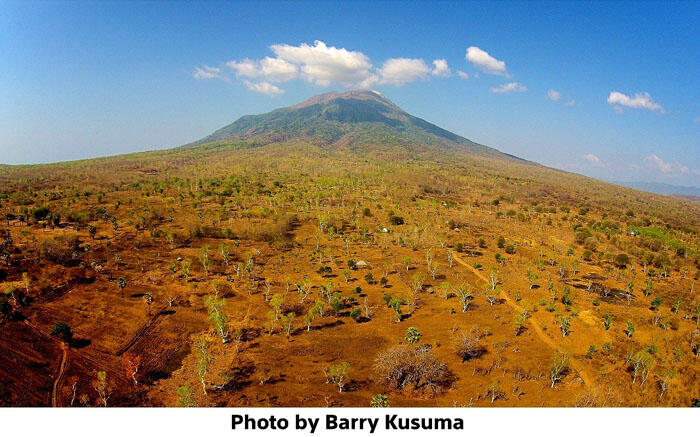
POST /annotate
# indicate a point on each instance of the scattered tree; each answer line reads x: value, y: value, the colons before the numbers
x: 559, y: 367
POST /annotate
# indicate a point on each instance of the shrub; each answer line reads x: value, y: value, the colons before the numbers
x: 60, y: 249
x: 406, y: 365
x: 413, y: 335
x: 621, y: 260
x: 661, y: 260
x: 396, y: 220
x: 379, y: 401
x: 581, y: 235
x: 468, y: 346
x: 591, y: 243
x: 41, y: 213
x: 501, y: 242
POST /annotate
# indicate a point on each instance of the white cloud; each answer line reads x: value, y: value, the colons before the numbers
x: 486, y: 62
x: 570, y: 103
x: 206, y: 72
x: 400, y: 71
x: 593, y: 159
x: 278, y: 70
x: 441, y: 68
x: 462, y: 74
x: 246, y: 67
x: 638, y: 101
x: 658, y: 163
x: 322, y: 65
x: 272, y: 69
x: 263, y: 88
x: 512, y: 87
x: 325, y: 65
x: 553, y: 95
x: 697, y: 120
x: 670, y: 168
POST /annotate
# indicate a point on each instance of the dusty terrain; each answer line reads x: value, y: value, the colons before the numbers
x: 549, y: 266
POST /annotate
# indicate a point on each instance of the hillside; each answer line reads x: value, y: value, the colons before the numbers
x: 335, y: 252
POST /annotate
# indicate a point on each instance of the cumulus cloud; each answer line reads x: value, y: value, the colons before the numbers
x: 321, y: 64
x: 654, y: 162
x: 593, y: 159
x: 657, y: 163
x: 278, y: 70
x: 462, y: 75
x: 324, y: 65
x: 512, y: 87
x: 263, y: 88
x: 400, y: 71
x: 246, y: 67
x: 272, y: 69
x: 441, y: 69
x: 206, y: 72
x: 553, y: 95
x: 485, y: 62
x: 638, y: 101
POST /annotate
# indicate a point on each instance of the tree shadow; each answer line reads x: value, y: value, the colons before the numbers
x: 79, y: 343
x: 327, y: 325
x: 240, y: 378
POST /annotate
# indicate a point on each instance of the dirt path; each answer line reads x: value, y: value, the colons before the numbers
x: 61, y: 373
x: 141, y: 332
x: 533, y: 323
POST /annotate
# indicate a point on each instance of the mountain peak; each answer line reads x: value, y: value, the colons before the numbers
x: 325, y: 98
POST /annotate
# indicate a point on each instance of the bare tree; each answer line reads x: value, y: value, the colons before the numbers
x: 204, y: 360
x: 464, y: 293
x: 102, y: 387
x: 559, y: 367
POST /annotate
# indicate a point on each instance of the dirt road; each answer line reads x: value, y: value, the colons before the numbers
x: 576, y: 364
x: 61, y: 373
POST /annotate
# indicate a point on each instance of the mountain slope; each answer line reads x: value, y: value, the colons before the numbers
x: 356, y: 120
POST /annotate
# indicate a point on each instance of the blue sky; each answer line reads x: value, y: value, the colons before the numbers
x: 606, y: 89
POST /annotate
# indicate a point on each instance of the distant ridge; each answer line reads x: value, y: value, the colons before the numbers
x: 661, y: 188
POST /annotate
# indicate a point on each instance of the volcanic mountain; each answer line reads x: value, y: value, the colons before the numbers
x: 354, y: 120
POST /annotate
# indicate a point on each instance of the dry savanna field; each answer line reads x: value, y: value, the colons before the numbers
x: 351, y: 263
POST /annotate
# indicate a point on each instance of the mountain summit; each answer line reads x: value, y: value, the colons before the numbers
x: 356, y: 120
